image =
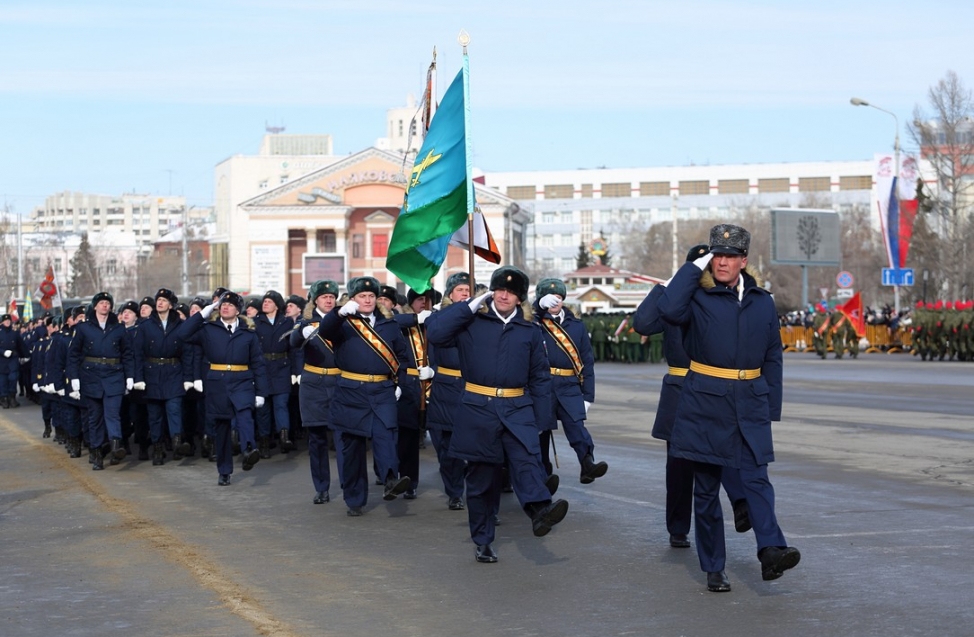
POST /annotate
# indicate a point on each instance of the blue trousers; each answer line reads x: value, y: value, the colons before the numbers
x: 8, y: 382
x: 451, y: 469
x: 273, y: 416
x: 104, y: 419
x: 68, y: 417
x: 679, y: 492
x: 318, y: 455
x: 172, y: 409
x: 243, y: 422
x: 355, y: 472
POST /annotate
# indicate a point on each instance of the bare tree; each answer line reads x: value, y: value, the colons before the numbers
x: 946, y: 139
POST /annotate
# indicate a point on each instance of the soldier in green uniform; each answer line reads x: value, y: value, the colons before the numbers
x: 600, y: 337
x: 821, y: 331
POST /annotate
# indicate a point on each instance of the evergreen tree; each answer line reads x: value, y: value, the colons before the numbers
x: 85, y: 279
x: 606, y: 258
x: 583, y: 259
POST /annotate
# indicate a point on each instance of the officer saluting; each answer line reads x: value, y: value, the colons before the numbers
x: 730, y: 396
x: 507, y: 387
x: 236, y: 382
x: 368, y: 347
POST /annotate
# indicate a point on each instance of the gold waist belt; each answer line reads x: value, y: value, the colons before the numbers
x: 223, y: 367
x: 446, y: 371
x: 322, y: 371
x: 722, y: 372
x: 678, y: 371
x: 496, y: 392
x: 555, y: 371
x: 365, y: 378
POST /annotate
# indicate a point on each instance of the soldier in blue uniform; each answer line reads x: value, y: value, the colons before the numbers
x: 272, y: 326
x: 12, y: 349
x: 163, y: 375
x: 38, y: 351
x: 411, y: 407
x: 679, y: 471
x: 368, y: 347
x: 569, y: 352
x: 67, y: 411
x: 101, y: 368
x: 319, y: 376
x: 294, y: 309
x: 194, y: 407
x: 446, y: 392
x: 507, y: 392
x: 730, y: 396
x: 235, y: 383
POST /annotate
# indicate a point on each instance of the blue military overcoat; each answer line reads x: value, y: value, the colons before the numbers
x: 647, y: 321
x: 160, y: 352
x: 446, y: 391
x: 567, y: 391
x: 100, y: 358
x: 316, y: 390
x: 355, y: 403
x: 276, y: 350
x: 715, y: 415
x: 409, y: 404
x: 10, y: 339
x: 226, y: 391
x: 498, y: 355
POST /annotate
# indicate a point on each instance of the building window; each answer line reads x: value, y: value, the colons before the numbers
x: 696, y: 187
x: 284, y: 179
x: 262, y: 185
x: 96, y: 222
x: 57, y: 265
x: 358, y: 246
x: 621, y: 189
x: 780, y: 184
x: 654, y: 188
x: 521, y: 192
x: 326, y: 241
x: 111, y: 266
x: 559, y: 192
x: 586, y: 191
x: 547, y: 217
x: 586, y: 225
x: 380, y: 245
x: 862, y: 182
x: 732, y: 186
x: 814, y: 184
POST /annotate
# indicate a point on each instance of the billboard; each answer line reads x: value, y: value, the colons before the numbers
x: 324, y: 266
x: 802, y: 236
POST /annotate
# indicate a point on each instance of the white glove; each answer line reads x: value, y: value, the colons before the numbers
x: 259, y: 402
x: 36, y: 388
x: 75, y: 384
x: 187, y: 385
x: 75, y: 394
x: 306, y: 332
x: 398, y: 392
x: 294, y: 379
x: 140, y: 386
x: 129, y: 384
x: 426, y: 373
x: 206, y: 311
x: 422, y: 316
x: 198, y: 385
x: 349, y: 308
x: 587, y: 405
x: 549, y: 301
x: 48, y: 389
x: 25, y: 360
x: 475, y: 304
x: 702, y: 262
x: 7, y: 353
x: 297, y: 379
x: 60, y: 392
x: 438, y: 307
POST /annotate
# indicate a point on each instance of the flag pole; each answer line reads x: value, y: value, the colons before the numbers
x: 464, y: 40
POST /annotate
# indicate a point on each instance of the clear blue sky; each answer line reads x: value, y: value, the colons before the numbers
x: 111, y: 96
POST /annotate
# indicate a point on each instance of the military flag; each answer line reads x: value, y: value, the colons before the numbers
x: 852, y: 309
x: 48, y: 293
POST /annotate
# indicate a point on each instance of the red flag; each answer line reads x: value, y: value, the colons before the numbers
x: 908, y: 214
x: 48, y: 294
x: 12, y: 308
x: 853, y: 310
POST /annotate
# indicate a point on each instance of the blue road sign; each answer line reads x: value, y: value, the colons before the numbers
x: 902, y: 277
x: 844, y: 279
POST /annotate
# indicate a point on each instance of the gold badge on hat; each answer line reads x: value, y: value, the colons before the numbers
x: 508, y: 277
x: 726, y: 235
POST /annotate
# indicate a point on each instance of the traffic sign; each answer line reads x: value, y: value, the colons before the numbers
x: 825, y: 293
x: 845, y: 293
x: 902, y: 277
x: 844, y: 279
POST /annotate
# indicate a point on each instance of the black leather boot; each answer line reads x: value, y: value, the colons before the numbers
x: 180, y: 448
x: 74, y: 450
x: 97, y: 463
x: 264, y: 447
x: 286, y: 444
x: 12, y: 401
x: 118, y: 451
x: 47, y: 428
x: 592, y: 469
x: 158, y: 454
x: 4, y: 402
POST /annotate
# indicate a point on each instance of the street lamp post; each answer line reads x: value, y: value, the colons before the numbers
x: 855, y: 101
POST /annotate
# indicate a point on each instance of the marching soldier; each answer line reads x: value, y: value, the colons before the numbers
x: 368, y: 347
x: 12, y: 348
x: 572, y: 377
x: 272, y: 328
x: 236, y: 382
x: 294, y: 310
x: 446, y: 392
x: 319, y: 376
x: 163, y: 375
x: 730, y: 396
x: 507, y: 393
x: 38, y: 352
x: 101, y: 368
x: 821, y: 331
x: 679, y: 471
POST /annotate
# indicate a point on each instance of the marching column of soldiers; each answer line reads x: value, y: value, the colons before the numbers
x: 489, y: 372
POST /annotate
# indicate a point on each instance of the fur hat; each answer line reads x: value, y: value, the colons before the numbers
x: 386, y: 291
x: 217, y: 293
x: 234, y: 299
x: 104, y: 296
x: 324, y: 286
x: 457, y: 278
x: 298, y: 301
x: 129, y: 305
x: 5, y: 317
x: 275, y: 296
x: 729, y: 239
x: 167, y: 294
x: 511, y: 279
x: 364, y: 284
x: 412, y: 295
x: 199, y: 302
x: 148, y: 300
x: 551, y: 286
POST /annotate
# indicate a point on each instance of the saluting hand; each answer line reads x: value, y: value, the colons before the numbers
x: 349, y: 308
x: 307, y: 331
x: 549, y: 301
x: 702, y: 262
x: 477, y: 303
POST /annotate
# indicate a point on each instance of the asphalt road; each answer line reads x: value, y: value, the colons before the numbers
x: 874, y: 482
